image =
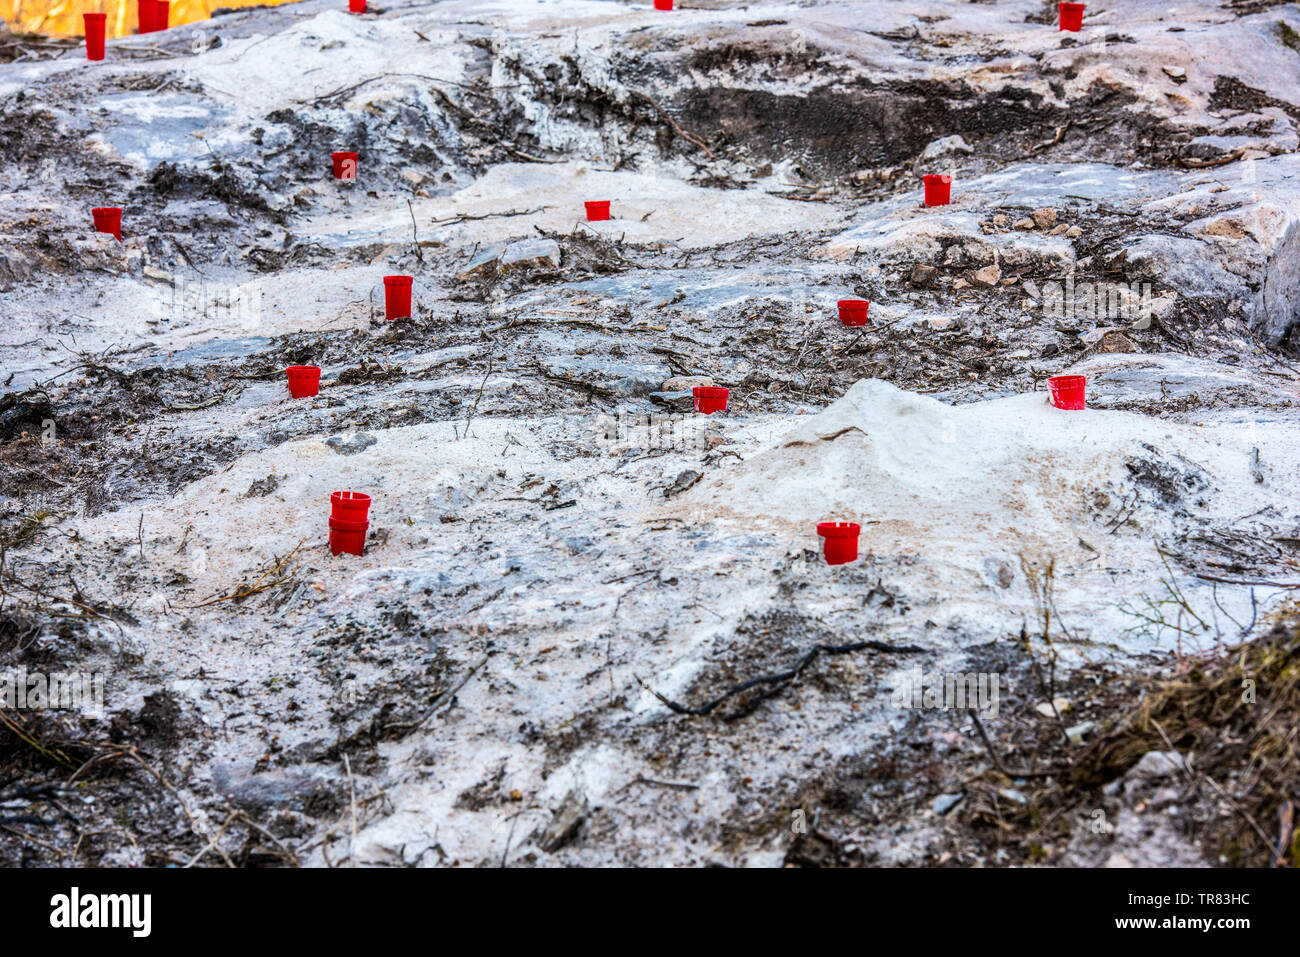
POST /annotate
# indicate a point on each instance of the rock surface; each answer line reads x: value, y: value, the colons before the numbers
x: 562, y: 558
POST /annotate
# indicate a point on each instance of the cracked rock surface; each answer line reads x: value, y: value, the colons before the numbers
x: 563, y: 560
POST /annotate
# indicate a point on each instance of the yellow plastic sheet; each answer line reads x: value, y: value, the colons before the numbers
x: 63, y: 17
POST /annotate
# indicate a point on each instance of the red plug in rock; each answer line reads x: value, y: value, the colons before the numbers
x: 345, y: 166
x: 1069, y: 392
x: 349, y: 520
x: 108, y: 219
x: 840, y: 541
x: 96, y: 28
x: 710, y: 399
x: 397, y: 297
x: 304, y: 381
x: 853, y: 312
x: 938, y: 189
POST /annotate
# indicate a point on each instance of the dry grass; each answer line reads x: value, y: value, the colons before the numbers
x: 1236, y: 719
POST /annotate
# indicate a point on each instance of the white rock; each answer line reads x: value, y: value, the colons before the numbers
x: 945, y: 146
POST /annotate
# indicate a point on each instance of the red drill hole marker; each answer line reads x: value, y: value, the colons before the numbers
x: 1069, y: 392
x: 303, y: 381
x: 345, y: 165
x: 840, y: 541
x: 597, y: 209
x: 1071, y: 17
x: 853, y: 312
x: 710, y: 399
x: 108, y: 219
x: 938, y: 189
x: 96, y: 27
x: 397, y: 297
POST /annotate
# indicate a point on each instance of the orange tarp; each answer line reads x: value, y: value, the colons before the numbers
x: 63, y: 17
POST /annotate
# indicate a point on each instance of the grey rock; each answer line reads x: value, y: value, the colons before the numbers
x: 353, y: 446
x: 946, y: 146
x: 685, y: 383
x: 1078, y: 732
x: 483, y: 265
x: 1157, y: 764
x: 945, y: 803
x: 277, y: 786
x: 531, y: 254
x: 674, y: 401
x: 565, y: 823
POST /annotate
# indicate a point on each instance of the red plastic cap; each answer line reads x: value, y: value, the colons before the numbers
x: 853, y: 312
x: 838, y: 529
x: 1069, y: 392
x: 108, y: 219
x: 356, y: 6
x: 938, y: 189
x: 663, y: 4
x: 345, y: 505
x: 96, y: 26
x: 397, y: 297
x: 710, y: 399
x: 345, y: 165
x: 597, y: 209
x: 1070, y: 16
x: 304, y: 381
x: 841, y: 541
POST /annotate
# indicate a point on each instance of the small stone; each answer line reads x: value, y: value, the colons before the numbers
x: 1045, y: 709
x: 1025, y: 223
x: 1074, y: 232
x: 1157, y: 764
x: 565, y: 823
x: 1011, y: 794
x: 960, y: 284
x: 1077, y: 733
x: 482, y: 265
x: 945, y: 803
x: 1117, y: 342
x: 685, y: 383
x: 922, y: 275
x: 989, y: 275
x: 1175, y: 72
x: 1045, y: 217
x: 352, y: 446
x: 940, y: 323
x: 531, y: 254
x: 1094, y: 336
x: 946, y: 146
